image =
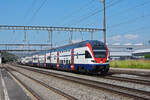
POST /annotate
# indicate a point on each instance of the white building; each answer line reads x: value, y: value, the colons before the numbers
x: 140, y: 53
x: 128, y: 51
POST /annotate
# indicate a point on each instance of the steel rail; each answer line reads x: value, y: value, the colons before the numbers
x: 69, y: 97
x: 25, y: 86
x: 130, y: 73
x: 124, y: 79
x: 130, y: 92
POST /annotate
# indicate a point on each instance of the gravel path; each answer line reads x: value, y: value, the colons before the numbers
x: 79, y: 91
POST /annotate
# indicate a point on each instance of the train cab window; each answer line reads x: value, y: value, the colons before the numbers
x: 87, y: 54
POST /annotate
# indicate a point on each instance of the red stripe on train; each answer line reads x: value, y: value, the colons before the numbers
x: 57, y: 60
x: 98, y: 60
x: 72, y: 59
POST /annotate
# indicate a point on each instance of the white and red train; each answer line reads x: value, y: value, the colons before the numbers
x: 87, y: 56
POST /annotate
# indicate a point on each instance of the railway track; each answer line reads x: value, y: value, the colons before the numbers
x: 130, y: 92
x: 124, y: 79
x: 41, y: 83
x: 130, y: 73
x: 35, y: 96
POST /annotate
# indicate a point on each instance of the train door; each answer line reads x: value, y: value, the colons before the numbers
x: 45, y: 60
x: 32, y: 61
x: 38, y: 64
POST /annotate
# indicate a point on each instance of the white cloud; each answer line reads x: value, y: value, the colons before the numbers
x: 123, y: 39
x: 131, y: 36
x: 116, y: 38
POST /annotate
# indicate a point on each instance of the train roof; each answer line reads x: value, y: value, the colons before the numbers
x: 72, y: 46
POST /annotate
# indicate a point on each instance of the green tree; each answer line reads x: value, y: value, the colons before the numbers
x: 7, y: 57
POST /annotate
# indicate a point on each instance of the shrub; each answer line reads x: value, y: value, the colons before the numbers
x: 147, y: 56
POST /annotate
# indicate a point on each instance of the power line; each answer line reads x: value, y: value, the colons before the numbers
x: 128, y: 21
x: 140, y: 29
x: 130, y: 9
x: 96, y: 12
x: 77, y: 11
x: 37, y: 10
x: 29, y: 10
x: 131, y: 20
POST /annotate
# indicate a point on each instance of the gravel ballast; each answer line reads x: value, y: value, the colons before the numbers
x: 79, y: 91
x: 43, y: 92
x: 101, y: 79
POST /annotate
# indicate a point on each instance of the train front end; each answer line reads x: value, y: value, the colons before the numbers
x: 99, y: 57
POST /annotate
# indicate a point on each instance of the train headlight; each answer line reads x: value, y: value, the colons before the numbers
x: 93, y: 61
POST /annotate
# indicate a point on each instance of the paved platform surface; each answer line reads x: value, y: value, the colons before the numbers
x: 9, y: 89
x: 132, y: 71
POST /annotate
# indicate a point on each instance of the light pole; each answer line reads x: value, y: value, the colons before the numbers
x: 104, y: 19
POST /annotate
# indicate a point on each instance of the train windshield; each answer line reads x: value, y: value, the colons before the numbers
x: 99, y: 51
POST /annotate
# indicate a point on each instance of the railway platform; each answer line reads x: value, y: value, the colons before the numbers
x: 9, y: 88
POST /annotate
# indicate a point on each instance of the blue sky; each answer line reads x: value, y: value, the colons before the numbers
x: 128, y: 21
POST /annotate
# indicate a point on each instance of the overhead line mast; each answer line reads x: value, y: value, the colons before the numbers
x: 104, y: 22
x: 104, y: 19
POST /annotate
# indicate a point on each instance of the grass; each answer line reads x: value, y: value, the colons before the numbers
x: 138, y: 64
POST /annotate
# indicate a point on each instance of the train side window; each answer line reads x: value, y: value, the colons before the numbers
x: 34, y: 58
x: 64, y: 62
x: 69, y: 61
x: 61, y: 61
x: 49, y: 57
x: 87, y: 54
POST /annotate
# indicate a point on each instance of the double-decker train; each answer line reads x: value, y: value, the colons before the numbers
x: 87, y: 56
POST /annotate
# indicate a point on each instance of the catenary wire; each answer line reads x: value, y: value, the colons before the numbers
x: 129, y: 9
x: 36, y: 12
x: 109, y: 4
x: 30, y: 8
